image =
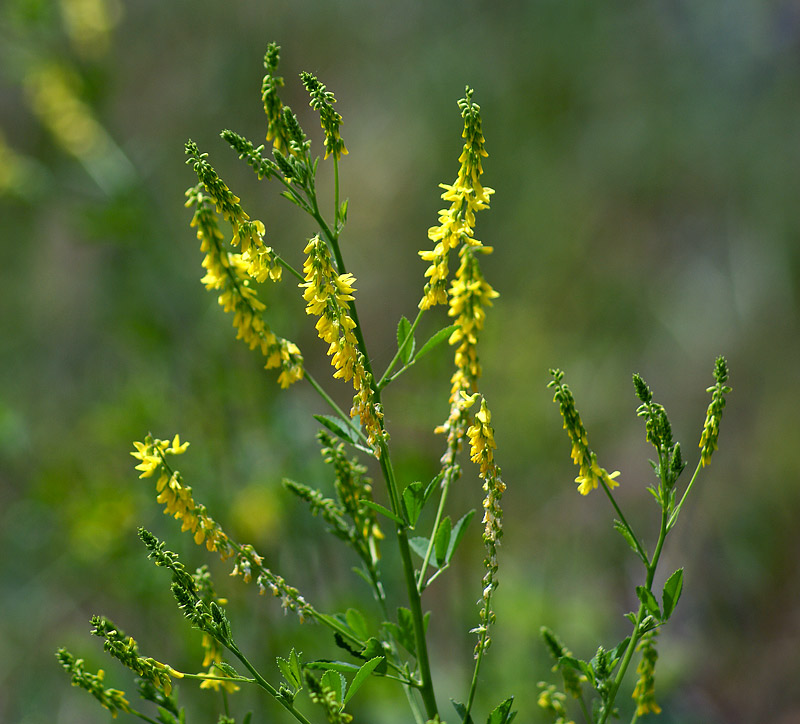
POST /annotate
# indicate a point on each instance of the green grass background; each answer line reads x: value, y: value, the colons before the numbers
x: 645, y: 158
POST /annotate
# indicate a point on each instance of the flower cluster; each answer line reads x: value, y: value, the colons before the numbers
x: 708, y: 440
x: 322, y: 101
x: 470, y: 293
x: 179, y: 502
x: 232, y: 274
x: 482, y: 446
x: 590, y: 472
x: 112, y: 699
x: 644, y: 693
x: 466, y: 196
x: 327, y: 295
x: 176, y: 496
x: 126, y: 650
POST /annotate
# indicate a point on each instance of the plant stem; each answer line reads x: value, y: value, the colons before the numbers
x: 674, y: 517
x: 384, y: 381
x: 431, y: 542
x: 264, y: 684
x: 637, y: 634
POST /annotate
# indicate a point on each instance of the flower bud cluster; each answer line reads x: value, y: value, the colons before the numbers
x: 328, y: 294
x: 112, y: 699
x: 644, y: 693
x: 482, y: 446
x: 708, y: 440
x: 232, y: 274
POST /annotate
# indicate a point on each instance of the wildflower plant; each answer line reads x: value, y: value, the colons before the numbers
x: 235, y: 264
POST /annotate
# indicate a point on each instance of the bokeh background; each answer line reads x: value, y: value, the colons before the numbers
x: 645, y: 158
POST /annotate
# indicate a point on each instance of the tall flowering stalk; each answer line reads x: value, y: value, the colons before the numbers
x: 606, y: 671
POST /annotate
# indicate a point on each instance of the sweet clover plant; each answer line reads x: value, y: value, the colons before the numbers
x: 235, y: 264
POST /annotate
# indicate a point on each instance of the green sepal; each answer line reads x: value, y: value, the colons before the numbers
x: 384, y: 511
x: 334, y: 681
x: 405, y: 340
x: 361, y: 676
x: 441, y: 540
x: 502, y: 713
x: 672, y: 592
x: 649, y: 600
x: 461, y: 710
x: 436, y: 340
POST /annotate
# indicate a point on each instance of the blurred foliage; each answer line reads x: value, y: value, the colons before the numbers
x: 646, y: 161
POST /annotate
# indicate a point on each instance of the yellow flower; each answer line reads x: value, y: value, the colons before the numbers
x: 466, y: 196
x: 232, y: 275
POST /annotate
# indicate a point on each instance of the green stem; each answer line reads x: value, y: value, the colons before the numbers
x: 674, y: 516
x: 639, y: 548
x: 478, y: 659
x: 264, y: 684
x: 332, y: 404
x: 143, y: 717
x: 637, y: 634
x: 431, y: 541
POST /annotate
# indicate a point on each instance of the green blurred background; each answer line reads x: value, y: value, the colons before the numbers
x: 645, y: 157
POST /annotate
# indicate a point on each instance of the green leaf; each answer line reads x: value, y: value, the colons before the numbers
x: 405, y: 340
x: 358, y: 625
x: 579, y: 665
x: 502, y: 713
x: 618, y: 652
x: 374, y: 649
x: 458, y: 533
x: 334, y: 681
x: 461, y: 710
x: 436, y: 340
x: 361, y: 677
x: 419, y: 545
x: 441, y: 541
x: 343, y: 430
x: 226, y: 668
x: 414, y: 500
x: 340, y: 666
x: 384, y: 511
x: 343, y: 210
x: 672, y: 592
x: 291, y: 670
x: 403, y: 630
x: 625, y: 532
x: 649, y: 601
